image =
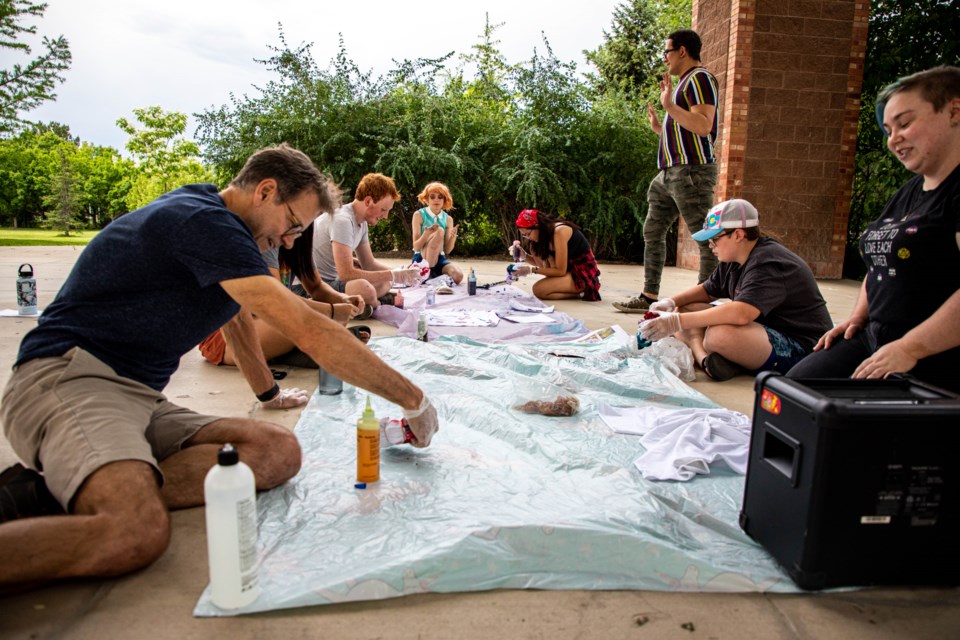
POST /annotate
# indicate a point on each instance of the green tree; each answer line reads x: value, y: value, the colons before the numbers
x: 31, y: 162
x: 62, y: 197
x: 502, y: 136
x: 26, y: 86
x: 165, y: 160
x: 105, y: 178
x: 904, y: 36
x: 630, y: 60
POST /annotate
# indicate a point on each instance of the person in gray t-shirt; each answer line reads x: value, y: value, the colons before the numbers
x: 340, y: 235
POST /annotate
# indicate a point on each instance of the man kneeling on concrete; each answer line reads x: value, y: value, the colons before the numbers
x: 84, y: 404
x: 776, y: 313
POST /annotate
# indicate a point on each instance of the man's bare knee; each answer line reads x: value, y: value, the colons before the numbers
x: 276, y: 457
x: 129, y: 540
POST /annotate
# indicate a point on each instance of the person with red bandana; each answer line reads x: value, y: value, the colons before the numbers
x: 558, y: 250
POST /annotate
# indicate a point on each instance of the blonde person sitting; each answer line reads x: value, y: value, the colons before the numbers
x: 434, y: 233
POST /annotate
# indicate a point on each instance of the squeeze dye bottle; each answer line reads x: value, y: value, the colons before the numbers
x: 368, y: 446
x: 230, y: 495
x: 472, y: 283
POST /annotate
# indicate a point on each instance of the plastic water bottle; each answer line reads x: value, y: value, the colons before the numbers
x: 422, y: 327
x: 472, y: 283
x: 230, y: 493
x: 26, y: 291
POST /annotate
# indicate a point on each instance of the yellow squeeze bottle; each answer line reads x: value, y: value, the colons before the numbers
x: 368, y: 446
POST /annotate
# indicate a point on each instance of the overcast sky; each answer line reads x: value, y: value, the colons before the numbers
x: 188, y: 55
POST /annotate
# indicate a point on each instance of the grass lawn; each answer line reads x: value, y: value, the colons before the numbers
x: 42, y: 237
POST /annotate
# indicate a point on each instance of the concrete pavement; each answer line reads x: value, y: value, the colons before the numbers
x: 157, y: 602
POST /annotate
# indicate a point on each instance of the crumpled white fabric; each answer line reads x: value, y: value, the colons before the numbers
x: 443, y: 280
x: 424, y: 268
x: 675, y: 356
x: 681, y: 443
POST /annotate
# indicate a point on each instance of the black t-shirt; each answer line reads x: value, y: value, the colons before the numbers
x: 146, y: 289
x: 913, y: 263
x: 781, y: 285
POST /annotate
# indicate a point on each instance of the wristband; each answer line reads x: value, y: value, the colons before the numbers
x: 266, y: 396
x: 415, y: 413
x: 331, y: 311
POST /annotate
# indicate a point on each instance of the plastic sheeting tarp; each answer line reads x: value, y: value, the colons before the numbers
x: 501, y: 499
x: 494, y: 300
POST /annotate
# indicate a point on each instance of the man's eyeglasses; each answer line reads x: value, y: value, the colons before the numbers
x: 667, y: 51
x: 296, y: 230
x: 713, y: 241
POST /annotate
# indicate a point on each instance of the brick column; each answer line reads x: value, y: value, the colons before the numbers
x: 790, y: 73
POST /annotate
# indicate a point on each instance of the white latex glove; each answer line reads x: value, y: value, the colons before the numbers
x: 287, y: 399
x: 423, y: 422
x: 659, y: 328
x: 521, y: 270
x: 407, y: 276
x: 664, y: 305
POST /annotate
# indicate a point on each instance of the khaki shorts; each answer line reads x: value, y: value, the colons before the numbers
x: 71, y: 415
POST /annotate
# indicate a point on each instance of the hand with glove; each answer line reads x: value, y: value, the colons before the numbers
x: 664, y: 305
x: 286, y: 399
x: 662, y: 327
x: 407, y: 276
x: 423, y: 422
x: 521, y: 270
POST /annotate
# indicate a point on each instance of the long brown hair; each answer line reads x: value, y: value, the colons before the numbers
x: 546, y: 225
x: 299, y: 258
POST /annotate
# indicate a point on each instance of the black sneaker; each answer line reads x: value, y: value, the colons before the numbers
x: 639, y: 304
x: 24, y: 494
x: 389, y: 298
x: 719, y: 368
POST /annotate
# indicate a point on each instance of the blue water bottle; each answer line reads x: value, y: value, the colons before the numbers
x: 472, y: 284
x: 26, y: 291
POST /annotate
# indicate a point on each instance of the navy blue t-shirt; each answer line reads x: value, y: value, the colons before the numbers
x: 146, y: 289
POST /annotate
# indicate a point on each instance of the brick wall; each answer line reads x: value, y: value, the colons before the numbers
x: 790, y: 74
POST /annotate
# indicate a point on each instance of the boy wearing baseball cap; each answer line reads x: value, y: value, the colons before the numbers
x: 775, y: 315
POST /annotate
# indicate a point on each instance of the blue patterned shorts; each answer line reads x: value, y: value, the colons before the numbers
x: 787, y: 352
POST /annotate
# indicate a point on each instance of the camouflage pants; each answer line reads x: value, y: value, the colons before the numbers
x: 687, y: 190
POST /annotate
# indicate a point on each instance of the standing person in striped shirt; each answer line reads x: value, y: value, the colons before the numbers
x: 688, y: 172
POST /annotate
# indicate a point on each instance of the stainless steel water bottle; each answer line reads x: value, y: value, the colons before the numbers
x: 26, y: 291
